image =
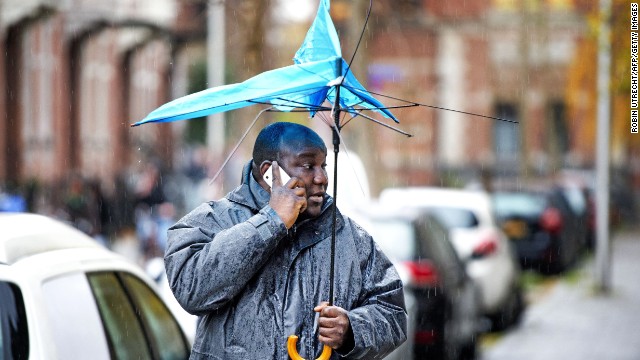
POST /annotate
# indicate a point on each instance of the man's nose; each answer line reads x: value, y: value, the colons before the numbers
x: 320, y: 177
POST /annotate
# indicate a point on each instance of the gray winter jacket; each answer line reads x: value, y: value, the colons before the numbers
x: 253, y: 283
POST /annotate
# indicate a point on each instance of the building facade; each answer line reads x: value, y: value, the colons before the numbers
x: 504, y: 59
x: 76, y: 74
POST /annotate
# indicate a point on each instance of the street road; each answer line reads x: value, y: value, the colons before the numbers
x: 568, y: 319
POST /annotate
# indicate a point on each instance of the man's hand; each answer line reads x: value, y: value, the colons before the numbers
x: 334, y: 328
x: 288, y: 200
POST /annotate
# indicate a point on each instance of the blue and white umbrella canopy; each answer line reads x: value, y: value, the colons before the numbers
x: 318, y: 71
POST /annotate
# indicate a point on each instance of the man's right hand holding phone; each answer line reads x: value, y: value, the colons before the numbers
x: 289, y: 199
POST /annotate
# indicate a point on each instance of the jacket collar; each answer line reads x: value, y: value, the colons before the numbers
x: 249, y: 193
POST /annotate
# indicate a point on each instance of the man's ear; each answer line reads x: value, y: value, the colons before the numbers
x: 264, y: 166
x: 258, y: 174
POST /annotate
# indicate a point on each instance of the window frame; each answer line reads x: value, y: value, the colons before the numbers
x: 152, y: 346
x: 10, y: 346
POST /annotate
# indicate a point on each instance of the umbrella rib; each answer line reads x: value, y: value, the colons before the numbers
x: 302, y: 104
x: 384, y: 125
x: 469, y: 113
x: 413, y: 103
x: 348, y: 121
x: 297, y: 108
x: 345, y: 111
x: 388, y: 107
x: 319, y: 89
x: 324, y: 119
x: 237, y: 146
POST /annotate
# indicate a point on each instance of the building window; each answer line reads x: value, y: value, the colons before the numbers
x: 559, y: 133
x: 505, y: 134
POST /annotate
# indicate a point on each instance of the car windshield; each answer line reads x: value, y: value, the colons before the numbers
x: 14, y: 337
x: 395, y: 238
x: 455, y: 218
x: 518, y: 204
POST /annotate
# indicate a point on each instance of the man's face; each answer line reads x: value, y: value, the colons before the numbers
x: 308, y: 162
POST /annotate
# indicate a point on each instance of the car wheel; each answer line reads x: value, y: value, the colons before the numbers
x: 511, y: 312
x: 469, y: 351
x: 556, y: 258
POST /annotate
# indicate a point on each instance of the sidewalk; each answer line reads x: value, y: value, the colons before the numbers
x: 573, y: 321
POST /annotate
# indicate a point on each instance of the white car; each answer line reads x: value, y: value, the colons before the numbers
x: 64, y: 296
x: 477, y: 239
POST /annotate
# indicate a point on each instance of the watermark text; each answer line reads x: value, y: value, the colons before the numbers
x: 634, y: 68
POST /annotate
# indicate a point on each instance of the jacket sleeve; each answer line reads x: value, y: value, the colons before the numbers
x: 379, y: 322
x: 209, y: 259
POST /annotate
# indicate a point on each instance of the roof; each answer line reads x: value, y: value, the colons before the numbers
x: 477, y: 201
x: 435, y: 196
x: 25, y: 234
x: 374, y: 211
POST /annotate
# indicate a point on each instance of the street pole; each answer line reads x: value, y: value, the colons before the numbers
x: 523, y: 101
x: 603, y: 257
x: 215, y: 72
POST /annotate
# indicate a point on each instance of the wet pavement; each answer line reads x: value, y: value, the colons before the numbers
x: 569, y: 319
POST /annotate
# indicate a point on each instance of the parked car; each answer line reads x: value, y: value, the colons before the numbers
x: 578, y: 202
x: 578, y: 189
x: 444, y: 321
x: 540, y: 223
x: 64, y: 296
x: 489, y: 256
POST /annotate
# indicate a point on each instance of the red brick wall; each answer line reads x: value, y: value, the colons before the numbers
x: 62, y: 99
x: 401, y: 66
x: 456, y: 9
x: 478, y: 132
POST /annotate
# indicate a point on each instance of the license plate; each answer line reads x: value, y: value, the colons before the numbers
x: 515, y: 229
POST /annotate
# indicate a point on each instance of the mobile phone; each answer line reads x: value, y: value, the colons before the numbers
x: 268, y: 176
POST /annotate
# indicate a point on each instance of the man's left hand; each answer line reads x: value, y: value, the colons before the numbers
x: 334, y: 328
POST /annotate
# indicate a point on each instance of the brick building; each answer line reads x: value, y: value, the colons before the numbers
x: 76, y: 73
x: 487, y: 57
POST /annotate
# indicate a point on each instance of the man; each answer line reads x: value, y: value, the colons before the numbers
x: 255, y: 265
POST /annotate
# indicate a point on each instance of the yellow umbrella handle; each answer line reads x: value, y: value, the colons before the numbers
x: 293, y: 352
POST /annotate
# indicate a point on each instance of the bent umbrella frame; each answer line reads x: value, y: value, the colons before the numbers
x: 319, y: 75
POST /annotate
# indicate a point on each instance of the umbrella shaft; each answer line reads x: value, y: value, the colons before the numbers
x: 336, y: 149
